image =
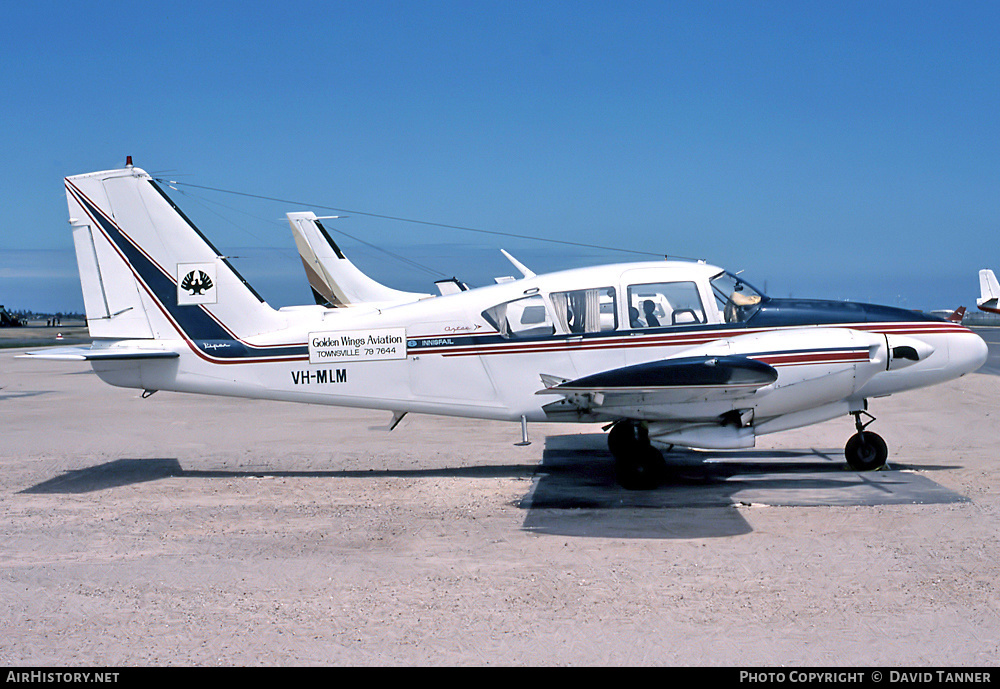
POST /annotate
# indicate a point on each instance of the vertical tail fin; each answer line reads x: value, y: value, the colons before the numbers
x: 146, y: 270
x: 335, y: 281
x: 989, y: 292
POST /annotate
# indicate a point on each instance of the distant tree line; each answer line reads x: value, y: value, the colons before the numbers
x: 19, y: 317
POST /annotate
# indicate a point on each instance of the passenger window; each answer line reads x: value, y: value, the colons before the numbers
x: 586, y: 310
x: 526, y: 317
x: 665, y: 304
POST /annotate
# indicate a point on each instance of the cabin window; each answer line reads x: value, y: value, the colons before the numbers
x: 665, y: 304
x: 527, y: 317
x: 585, y: 310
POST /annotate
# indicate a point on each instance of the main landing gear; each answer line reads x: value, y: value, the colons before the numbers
x: 638, y: 465
x: 865, y: 451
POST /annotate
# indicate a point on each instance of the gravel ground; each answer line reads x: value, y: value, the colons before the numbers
x: 188, y: 530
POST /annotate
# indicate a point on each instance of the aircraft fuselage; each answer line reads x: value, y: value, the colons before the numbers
x: 443, y: 356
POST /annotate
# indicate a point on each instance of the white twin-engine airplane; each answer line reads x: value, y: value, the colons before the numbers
x: 665, y: 353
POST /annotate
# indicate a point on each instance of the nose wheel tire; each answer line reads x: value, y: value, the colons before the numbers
x: 866, y: 451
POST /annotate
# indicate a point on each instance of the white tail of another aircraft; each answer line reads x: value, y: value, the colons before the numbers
x: 335, y: 281
x: 989, y: 291
x: 146, y: 270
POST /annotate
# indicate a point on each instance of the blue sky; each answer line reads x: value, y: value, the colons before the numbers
x: 843, y: 150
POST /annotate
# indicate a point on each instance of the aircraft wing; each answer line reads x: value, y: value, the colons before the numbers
x: 667, y: 381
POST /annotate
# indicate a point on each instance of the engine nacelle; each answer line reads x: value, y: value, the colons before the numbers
x: 708, y: 437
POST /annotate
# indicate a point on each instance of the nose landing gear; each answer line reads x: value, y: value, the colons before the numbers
x: 865, y: 451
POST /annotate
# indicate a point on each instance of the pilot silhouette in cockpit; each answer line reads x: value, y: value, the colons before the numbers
x: 651, y: 320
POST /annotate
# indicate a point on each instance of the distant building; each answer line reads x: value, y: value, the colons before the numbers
x: 981, y: 318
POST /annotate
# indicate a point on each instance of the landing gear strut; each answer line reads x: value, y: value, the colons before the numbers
x: 865, y: 451
x: 638, y: 465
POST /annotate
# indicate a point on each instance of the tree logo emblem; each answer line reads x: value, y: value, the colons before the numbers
x: 196, y: 282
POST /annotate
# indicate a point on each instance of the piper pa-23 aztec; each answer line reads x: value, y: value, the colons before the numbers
x: 664, y: 353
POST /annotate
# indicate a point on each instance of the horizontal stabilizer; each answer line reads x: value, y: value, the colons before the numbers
x: 98, y: 353
x: 450, y: 286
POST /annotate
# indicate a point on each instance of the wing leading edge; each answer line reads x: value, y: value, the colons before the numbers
x: 660, y: 382
x: 699, y: 372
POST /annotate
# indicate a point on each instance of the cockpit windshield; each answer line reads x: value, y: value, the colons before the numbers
x: 738, y: 300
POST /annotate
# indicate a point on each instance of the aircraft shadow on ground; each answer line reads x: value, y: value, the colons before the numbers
x: 575, y: 492
x: 16, y: 395
x: 125, y: 472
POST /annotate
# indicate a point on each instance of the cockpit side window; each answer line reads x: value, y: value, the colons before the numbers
x: 737, y: 300
x: 527, y: 317
x: 662, y: 304
x: 585, y: 310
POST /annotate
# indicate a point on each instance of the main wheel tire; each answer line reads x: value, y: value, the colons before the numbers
x: 643, y: 469
x: 624, y: 438
x: 638, y: 465
x: 866, y: 451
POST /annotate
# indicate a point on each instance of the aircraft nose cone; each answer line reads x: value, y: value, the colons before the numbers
x: 968, y: 352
